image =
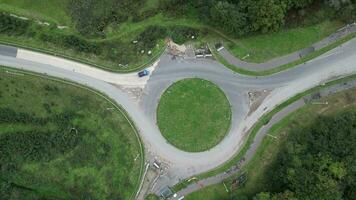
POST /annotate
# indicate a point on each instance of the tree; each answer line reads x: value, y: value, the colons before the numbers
x: 300, y: 3
x: 263, y: 196
x: 317, y: 162
x: 266, y: 15
x: 228, y: 17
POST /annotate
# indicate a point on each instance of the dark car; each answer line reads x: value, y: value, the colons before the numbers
x: 143, y: 73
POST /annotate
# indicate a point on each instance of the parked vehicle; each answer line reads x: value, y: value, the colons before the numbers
x: 143, y: 73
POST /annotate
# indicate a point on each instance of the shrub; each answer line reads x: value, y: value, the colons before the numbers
x: 144, y: 15
x: 72, y: 42
x: 12, y: 25
x: 91, y: 17
x: 149, y: 37
x: 180, y: 34
x: 80, y: 44
x: 119, y: 52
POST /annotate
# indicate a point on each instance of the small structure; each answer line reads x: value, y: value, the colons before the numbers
x: 166, y: 192
x: 156, y: 164
x: 219, y: 46
x: 236, y: 183
x: 306, y: 51
x: 203, y: 52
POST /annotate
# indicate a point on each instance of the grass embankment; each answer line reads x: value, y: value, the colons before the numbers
x: 257, y: 168
x: 63, y: 141
x: 194, y: 115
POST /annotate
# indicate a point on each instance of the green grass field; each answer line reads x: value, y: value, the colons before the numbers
x: 62, y: 141
x: 264, y: 47
x: 194, y: 115
x: 51, y: 11
x: 266, y: 153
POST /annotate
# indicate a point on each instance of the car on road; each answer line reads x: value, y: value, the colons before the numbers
x: 143, y: 73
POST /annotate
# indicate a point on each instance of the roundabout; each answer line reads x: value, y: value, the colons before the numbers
x: 179, y: 164
x: 194, y: 114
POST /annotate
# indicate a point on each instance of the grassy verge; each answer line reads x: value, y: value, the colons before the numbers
x: 93, y: 163
x: 194, y: 115
x: 264, y: 47
x: 282, y: 67
x: 258, y: 167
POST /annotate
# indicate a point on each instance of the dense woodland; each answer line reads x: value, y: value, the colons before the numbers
x: 316, y: 162
x: 239, y: 17
x: 235, y: 17
x: 232, y: 16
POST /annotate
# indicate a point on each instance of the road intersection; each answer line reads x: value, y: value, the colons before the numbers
x: 336, y: 63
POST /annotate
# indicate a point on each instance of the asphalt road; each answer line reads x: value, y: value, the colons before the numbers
x: 8, y: 51
x: 336, y: 63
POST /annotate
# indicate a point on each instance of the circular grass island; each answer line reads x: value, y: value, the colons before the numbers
x: 194, y: 114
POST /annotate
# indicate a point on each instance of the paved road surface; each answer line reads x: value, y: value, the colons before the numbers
x: 8, y: 51
x: 338, y: 62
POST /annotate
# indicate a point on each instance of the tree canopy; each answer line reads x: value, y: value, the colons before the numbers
x: 239, y: 17
x: 317, y: 162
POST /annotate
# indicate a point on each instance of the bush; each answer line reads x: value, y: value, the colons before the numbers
x: 72, y: 42
x: 91, y: 17
x: 119, y: 52
x: 149, y: 37
x: 137, y: 17
x: 81, y: 45
x: 180, y: 34
x: 12, y: 25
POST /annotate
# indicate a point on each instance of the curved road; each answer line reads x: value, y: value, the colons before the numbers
x: 142, y: 110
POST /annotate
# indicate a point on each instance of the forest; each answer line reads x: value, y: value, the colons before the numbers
x: 243, y: 17
x: 316, y: 162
